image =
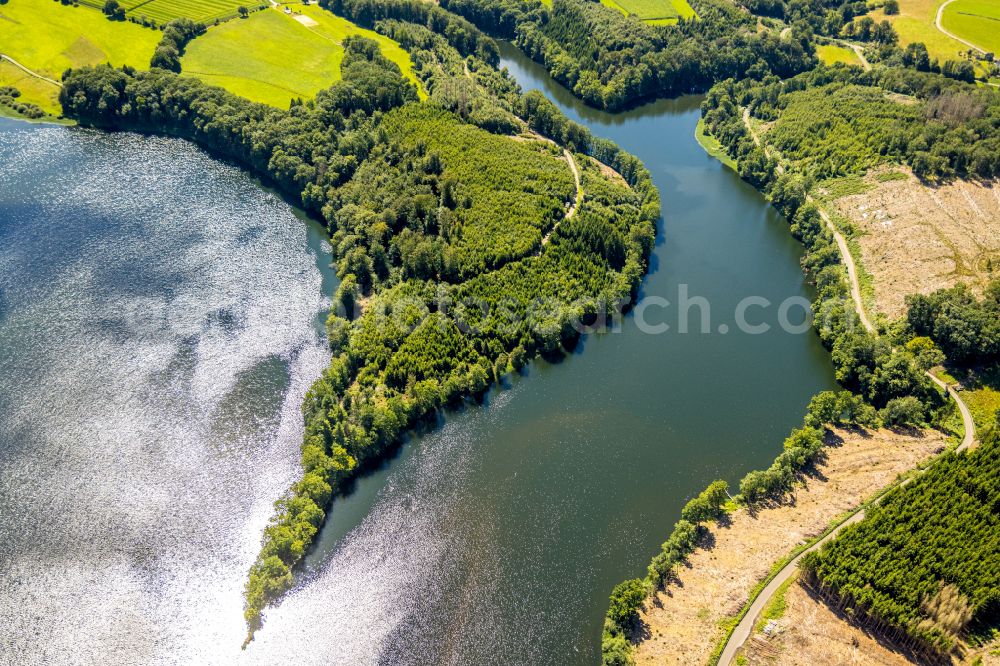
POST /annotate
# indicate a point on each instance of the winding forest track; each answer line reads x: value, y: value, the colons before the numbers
x: 576, y: 179
x: 860, y: 52
x: 744, y: 629
x: 568, y: 156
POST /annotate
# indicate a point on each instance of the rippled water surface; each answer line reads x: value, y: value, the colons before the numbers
x: 157, y: 323
x: 157, y: 333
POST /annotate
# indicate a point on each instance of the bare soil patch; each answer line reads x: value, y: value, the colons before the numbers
x: 681, y: 624
x: 610, y: 173
x: 915, y: 238
x: 810, y: 633
x: 305, y: 20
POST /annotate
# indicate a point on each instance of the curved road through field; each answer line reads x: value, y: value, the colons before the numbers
x: 744, y: 629
x: 860, y: 52
x: 937, y: 22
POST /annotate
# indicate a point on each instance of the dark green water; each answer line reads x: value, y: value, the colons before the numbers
x: 493, y: 539
x: 497, y: 538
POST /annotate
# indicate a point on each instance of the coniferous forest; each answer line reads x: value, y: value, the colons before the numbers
x: 924, y: 566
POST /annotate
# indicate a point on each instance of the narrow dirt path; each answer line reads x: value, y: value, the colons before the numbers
x: 741, y: 634
x: 576, y: 178
x: 967, y: 422
x: 845, y: 252
x: 937, y: 23
x: 568, y: 156
x: 744, y: 629
x: 28, y: 71
x: 860, y: 52
x: 852, y: 270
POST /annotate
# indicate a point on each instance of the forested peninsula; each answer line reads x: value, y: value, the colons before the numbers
x: 614, y: 62
x: 462, y: 251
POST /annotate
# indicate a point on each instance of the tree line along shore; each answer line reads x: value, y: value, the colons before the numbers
x: 822, y: 131
x: 440, y: 244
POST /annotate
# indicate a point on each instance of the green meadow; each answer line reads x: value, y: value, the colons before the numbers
x: 34, y: 90
x: 831, y: 54
x: 48, y: 37
x: 975, y: 20
x: 273, y: 57
x: 203, y: 11
x: 655, y: 12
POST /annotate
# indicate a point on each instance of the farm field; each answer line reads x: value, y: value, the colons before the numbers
x: 975, y: 20
x: 272, y: 57
x: 332, y: 27
x: 204, y: 11
x: 267, y: 57
x: 831, y: 54
x: 915, y: 23
x: 656, y: 12
x: 48, y: 37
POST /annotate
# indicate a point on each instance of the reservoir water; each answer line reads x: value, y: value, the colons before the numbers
x: 157, y: 323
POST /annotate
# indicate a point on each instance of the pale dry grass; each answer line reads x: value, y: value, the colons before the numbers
x: 916, y: 239
x: 682, y: 623
x: 810, y: 633
x: 610, y: 173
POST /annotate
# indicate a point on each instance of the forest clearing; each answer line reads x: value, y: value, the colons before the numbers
x: 810, y: 633
x: 683, y: 622
x: 916, y: 238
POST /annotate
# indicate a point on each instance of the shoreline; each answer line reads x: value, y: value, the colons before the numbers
x: 746, y: 619
x: 741, y: 552
x: 9, y: 114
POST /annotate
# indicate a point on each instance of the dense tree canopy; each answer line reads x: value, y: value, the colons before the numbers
x: 926, y: 561
x: 612, y: 61
x: 840, y: 121
x: 966, y: 329
x: 457, y: 256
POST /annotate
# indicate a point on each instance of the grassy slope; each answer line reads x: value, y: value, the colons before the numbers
x: 975, y: 20
x: 268, y: 57
x: 332, y: 27
x: 981, y: 392
x: 199, y: 10
x: 49, y: 37
x: 712, y: 146
x: 272, y: 58
x: 830, y: 54
x: 915, y: 23
x: 655, y: 12
x: 36, y: 91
